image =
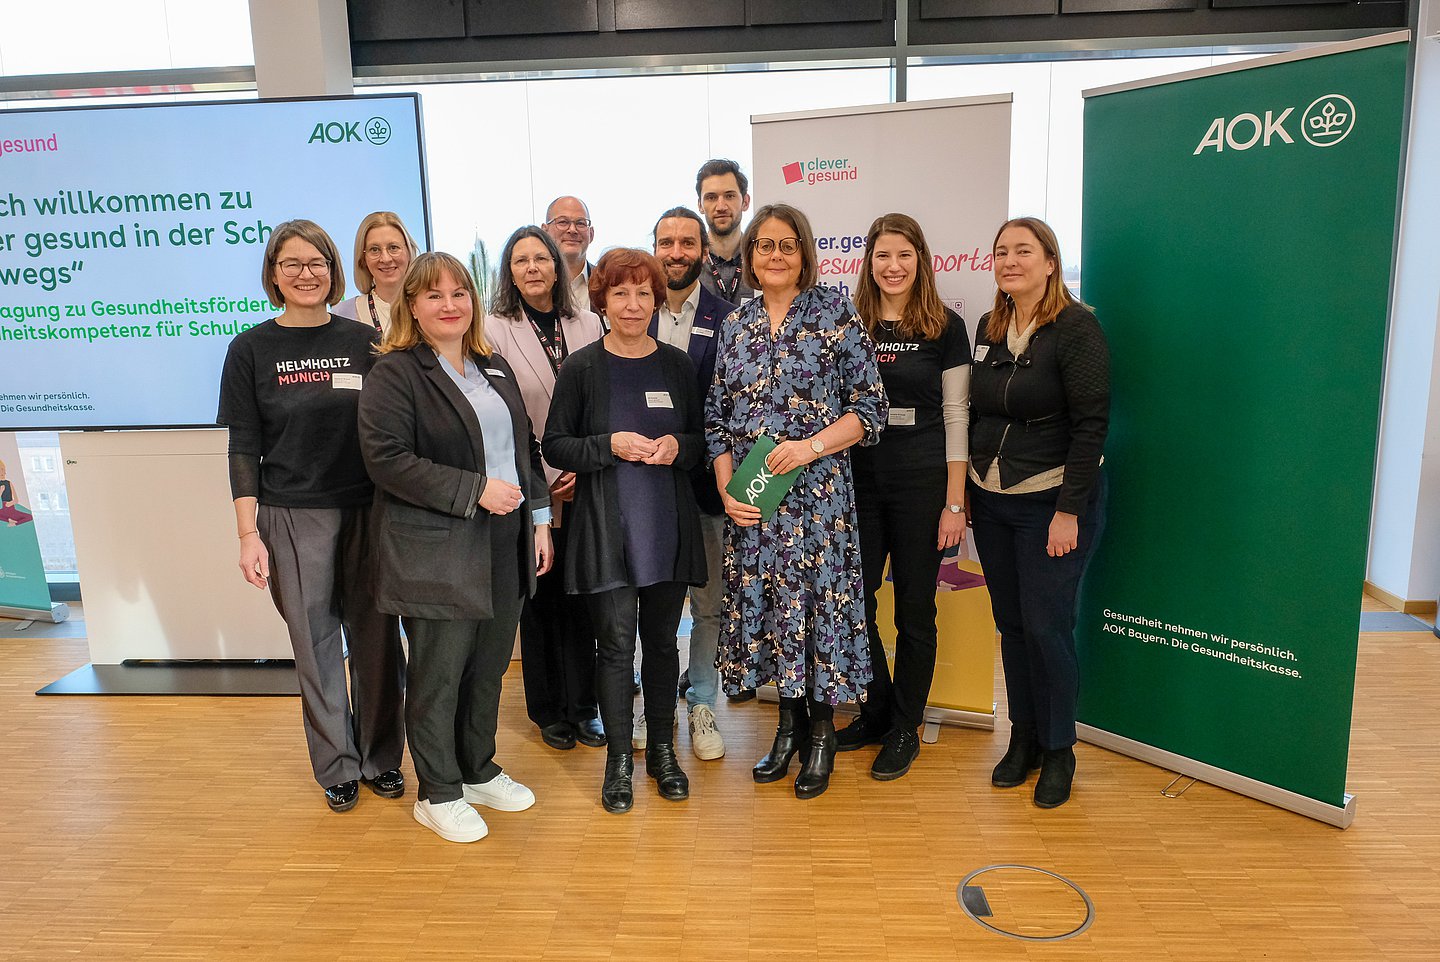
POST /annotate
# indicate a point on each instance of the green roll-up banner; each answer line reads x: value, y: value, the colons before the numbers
x: 1238, y: 232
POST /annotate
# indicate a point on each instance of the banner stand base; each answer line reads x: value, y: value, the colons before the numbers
x: 58, y: 612
x: 1339, y: 816
x: 242, y: 678
x: 934, y: 717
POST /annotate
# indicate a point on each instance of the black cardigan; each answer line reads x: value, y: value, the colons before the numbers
x: 425, y: 452
x: 577, y: 438
x: 1053, y: 411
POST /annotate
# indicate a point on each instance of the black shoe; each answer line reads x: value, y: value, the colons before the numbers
x: 617, y: 792
x: 684, y: 684
x: 792, y: 735
x: 744, y: 694
x: 895, y: 759
x: 560, y: 735
x: 864, y: 730
x: 389, y: 784
x: 342, y: 797
x: 591, y: 732
x: 1057, y: 772
x: 661, y: 765
x: 814, y: 776
x: 1021, y: 758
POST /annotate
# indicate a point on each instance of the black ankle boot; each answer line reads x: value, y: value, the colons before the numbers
x: 617, y: 792
x: 1021, y: 758
x: 791, y: 735
x: 1057, y: 772
x: 815, y: 774
x: 661, y: 765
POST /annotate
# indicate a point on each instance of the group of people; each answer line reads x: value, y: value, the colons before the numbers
x: 563, y: 462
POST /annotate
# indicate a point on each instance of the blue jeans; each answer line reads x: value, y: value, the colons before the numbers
x: 1033, y: 598
x: 706, y: 604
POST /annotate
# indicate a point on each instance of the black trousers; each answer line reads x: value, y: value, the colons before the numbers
x: 1033, y: 598
x: 557, y: 648
x: 899, y: 516
x: 617, y: 615
x: 453, y: 699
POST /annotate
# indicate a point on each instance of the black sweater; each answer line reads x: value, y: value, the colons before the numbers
x: 1053, y: 411
x: 577, y: 438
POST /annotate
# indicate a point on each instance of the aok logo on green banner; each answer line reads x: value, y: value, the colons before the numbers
x: 1327, y: 121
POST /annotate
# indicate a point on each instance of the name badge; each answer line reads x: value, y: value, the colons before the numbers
x: 980, y: 351
x: 702, y: 331
x: 349, y: 382
x: 904, y: 417
x: 658, y: 399
x: 494, y: 372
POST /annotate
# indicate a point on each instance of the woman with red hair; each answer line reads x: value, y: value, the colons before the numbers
x: 626, y: 418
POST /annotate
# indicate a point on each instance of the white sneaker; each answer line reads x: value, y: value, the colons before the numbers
x: 501, y: 793
x: 704, y: 736
x: 641, y: 734
x: 453, y: 821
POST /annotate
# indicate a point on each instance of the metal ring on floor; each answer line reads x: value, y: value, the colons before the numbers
x: 1089, y: 905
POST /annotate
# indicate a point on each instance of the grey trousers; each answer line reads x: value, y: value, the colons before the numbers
x: 322, y: 584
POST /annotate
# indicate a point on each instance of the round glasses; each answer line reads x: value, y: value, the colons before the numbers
x: 764, y: 246
x: 375, y: 250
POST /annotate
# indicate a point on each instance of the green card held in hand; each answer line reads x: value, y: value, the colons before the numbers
x: 753, y: 483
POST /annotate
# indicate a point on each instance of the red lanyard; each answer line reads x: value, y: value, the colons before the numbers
x: 374, y: 315
x: 554, y: 350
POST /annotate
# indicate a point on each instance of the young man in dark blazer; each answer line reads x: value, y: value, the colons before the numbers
x: 689, y: 318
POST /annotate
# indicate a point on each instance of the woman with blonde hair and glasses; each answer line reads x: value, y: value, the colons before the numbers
x: 383, y: 251
x: 909, y: 488
x: 1039, y: 412
x: 288, y: 393
x: 463, y: 515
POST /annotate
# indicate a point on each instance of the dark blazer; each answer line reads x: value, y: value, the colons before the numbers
x: 709, y: 312
x: 425, y: 452
x: 577, y: 438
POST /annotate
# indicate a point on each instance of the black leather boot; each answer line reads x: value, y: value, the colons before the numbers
x: 617, y: 792
x: 814, y: 776
x: 1021, y: 758
x: 1057, y: 772
x: 791, y: 735
x: 661, y: 765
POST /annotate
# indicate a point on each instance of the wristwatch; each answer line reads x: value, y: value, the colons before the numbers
x: 817, y: 445
x: 956, y: 508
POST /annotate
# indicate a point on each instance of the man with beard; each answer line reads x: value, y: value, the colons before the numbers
x: 724, y: 194
x: 689, y: 318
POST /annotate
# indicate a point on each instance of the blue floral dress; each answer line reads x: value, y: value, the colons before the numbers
x: 795, y: 613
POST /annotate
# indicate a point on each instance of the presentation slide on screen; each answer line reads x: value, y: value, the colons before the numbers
x: 132, y: 238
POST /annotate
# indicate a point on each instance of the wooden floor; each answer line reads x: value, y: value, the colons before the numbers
x: 189, y: 828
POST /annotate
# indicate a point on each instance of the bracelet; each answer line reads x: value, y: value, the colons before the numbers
x: 246, y: 534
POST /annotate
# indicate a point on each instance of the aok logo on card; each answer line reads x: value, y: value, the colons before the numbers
x: 1327, y: 121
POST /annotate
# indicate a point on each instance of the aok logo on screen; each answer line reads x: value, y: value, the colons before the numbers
x: 821, y: 170
x: 1327, y: 121
x: 376, y: 130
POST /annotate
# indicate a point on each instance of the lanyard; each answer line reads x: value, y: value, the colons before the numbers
x: 729, y: 295
x: 555, y: 350
x: 374, y: 315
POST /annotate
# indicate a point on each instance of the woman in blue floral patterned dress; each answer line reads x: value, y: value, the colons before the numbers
x: 794, y: 364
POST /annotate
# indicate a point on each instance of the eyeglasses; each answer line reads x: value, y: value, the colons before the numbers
x: 295, y: 268
x: 375, y: 250
x: 764, y: 246
x: 565, y: 223
x: 525, y: 260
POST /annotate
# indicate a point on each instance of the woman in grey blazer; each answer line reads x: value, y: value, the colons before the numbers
x: 462, y: 513
x: 533, y: 325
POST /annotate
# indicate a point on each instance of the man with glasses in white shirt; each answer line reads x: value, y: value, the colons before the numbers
x: 567, y: 220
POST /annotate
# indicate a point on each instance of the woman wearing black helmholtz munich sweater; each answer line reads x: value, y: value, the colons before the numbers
x: 289, y: 393
x: 1039, y: 412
